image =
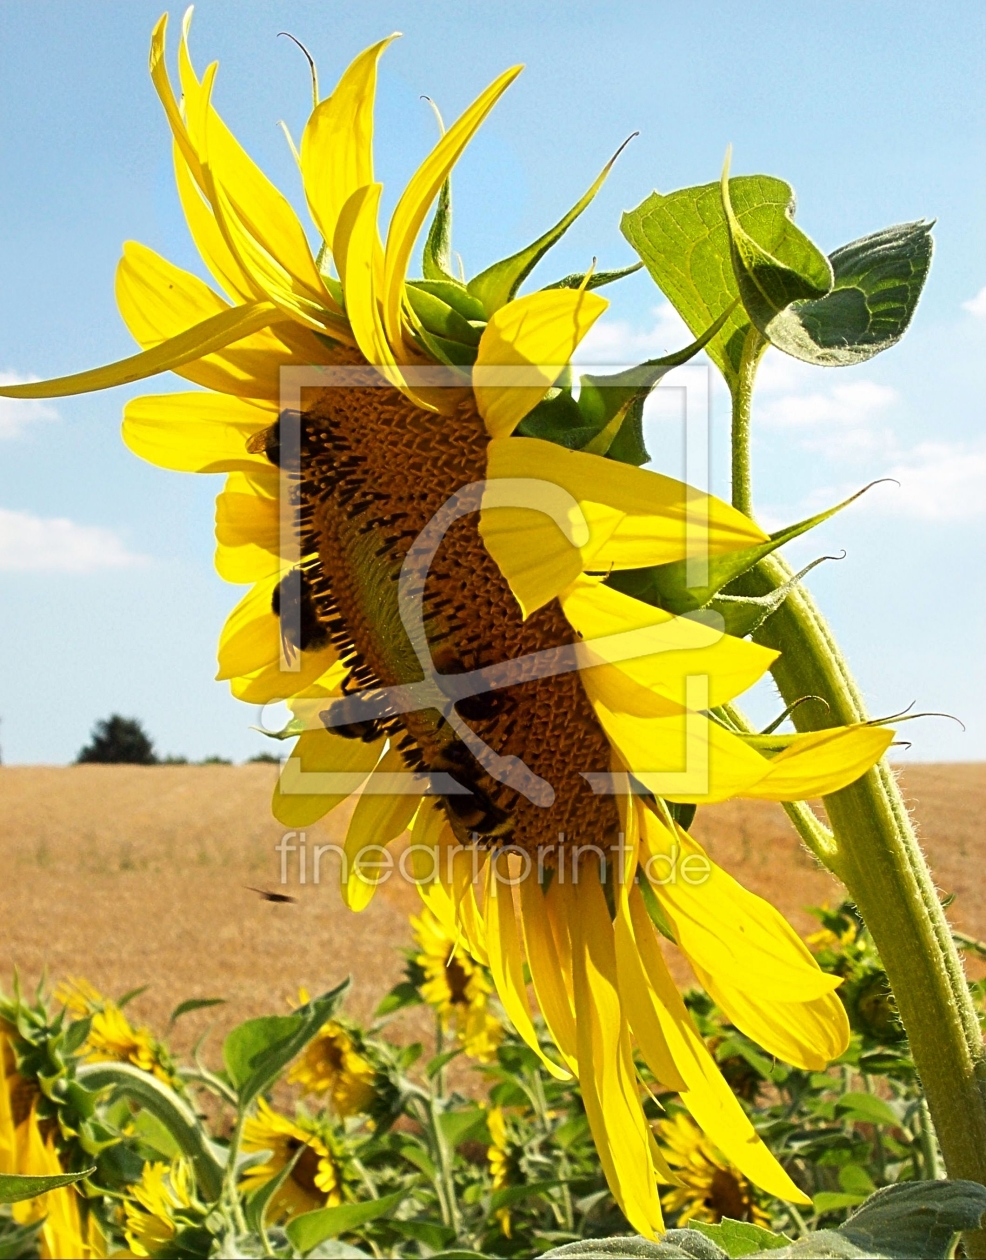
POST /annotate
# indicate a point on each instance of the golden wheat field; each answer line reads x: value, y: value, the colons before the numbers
x: 142, y: 876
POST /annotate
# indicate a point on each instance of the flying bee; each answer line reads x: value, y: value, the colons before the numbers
x: 267, y: 895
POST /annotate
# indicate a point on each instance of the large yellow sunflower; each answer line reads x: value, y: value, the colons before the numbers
x: 537, y: 770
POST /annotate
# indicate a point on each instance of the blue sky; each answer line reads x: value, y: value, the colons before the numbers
x: 874, y: 114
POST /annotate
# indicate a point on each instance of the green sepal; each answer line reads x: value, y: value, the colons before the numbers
x: 455, y: 294
x: 451, y: 353
x: 439, y: 317
x: 496, y: 286
x: 557, y: 419
x: 741, y: 615
x: 878, y: 281
x: 578, y: 280
x: 15, y: 1188
x: 667, y: 583
x: 607, y: 403
x: 436, y: 259
x: 788, y: 268
x: 653, y: 907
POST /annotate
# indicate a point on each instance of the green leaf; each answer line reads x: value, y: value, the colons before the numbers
x: 677, y: 1243
x: 496, y: 286
x: 193, y: 1004
x: 596, y: 280
x: 833, y: 1200
x: 433, y: 1235
x: 76, y: 1034
x: 667, y: 583
x: 401, y: 995
x: 878, y: 281
x: 311, y: 1228
x: 257, y: 1051
x: 130, y: 995
x: 867, y: 1108
x: 260, y: 1201
x: 20, y: 1241
x: 774, y: 272
x: 458, y: 1126
x: 515, y: 1194
x: 15, y: 1188
x: 740, y: 1238
x: 916, y: 1220
x: 683, y: 240
x: 173, y: 1112
x: 438, y: 1061
x: 456, y: 295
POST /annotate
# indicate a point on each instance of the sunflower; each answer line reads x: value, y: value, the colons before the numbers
x: 558, y: 772
x: 332, y: 1065
x: 316, y: 1179
x: 456, y: 986
x: 709, y: 1187
x: 111, y: 1036
x: 501, y: 1161
x: 154, y: 1204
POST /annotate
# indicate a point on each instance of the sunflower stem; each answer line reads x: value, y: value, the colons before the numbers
x: 742, y: 482
x: 876, y: 854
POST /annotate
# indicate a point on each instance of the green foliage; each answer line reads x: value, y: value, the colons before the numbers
x: 116, y: 740
x: 15, y: 1189
x: 418, y: 1171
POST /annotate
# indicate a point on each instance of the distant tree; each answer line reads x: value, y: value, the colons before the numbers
x: 215, y: 761
x: 118, y: 739
x: 264, y: 757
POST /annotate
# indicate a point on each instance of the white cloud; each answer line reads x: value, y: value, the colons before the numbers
x: 31, y: 543
x: 16, y: 413
x: 844, y: 421
x: 939, y: 481
x: 618, y: 342
x: 977, y: 306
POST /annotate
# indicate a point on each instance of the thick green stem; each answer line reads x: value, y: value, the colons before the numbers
x: 877, y: 856
x: 753, y: 349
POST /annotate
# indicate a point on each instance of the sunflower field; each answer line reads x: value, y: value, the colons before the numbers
x: 503, y: 641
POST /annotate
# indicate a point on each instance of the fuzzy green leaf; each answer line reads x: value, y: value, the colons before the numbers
x: 597, y: 280
x: 916, y: 1220
x: 878, y: 281
x: 740, y: 1238
x: 772, y: 273
x: 683, y: 240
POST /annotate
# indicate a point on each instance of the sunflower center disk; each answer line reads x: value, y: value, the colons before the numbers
x: 374, y: 471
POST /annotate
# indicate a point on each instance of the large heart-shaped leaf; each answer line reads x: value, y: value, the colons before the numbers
x: 916, y: 1220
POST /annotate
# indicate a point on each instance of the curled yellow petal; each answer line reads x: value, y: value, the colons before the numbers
x: 820, y: 762
x: 337, y: 143
x: 421, y: 190
x: 524, y: 347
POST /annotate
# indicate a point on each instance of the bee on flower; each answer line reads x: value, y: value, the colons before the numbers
x: 317, y: 1178
x: 543, y: 508
x: 111, y: 1036
x: 456, y: 986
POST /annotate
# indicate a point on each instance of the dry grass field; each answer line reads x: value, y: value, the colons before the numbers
x: 130, y: 875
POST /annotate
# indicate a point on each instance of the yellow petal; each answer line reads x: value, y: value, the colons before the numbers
x: 248, y: 527
x: 251, y: 636
x: 607, y: 1079
x: 207, y: 235
x: 672, y: 649
x: 821, y: 762
x: 308, y: 788
x: 523, y: 349
x: 337, y: 143
x: 210, y: 335
x: 709, y: 1099
x: 355, y: 244
x: 376, y: 821
x: 631, y: 518
x: 730, y: 932
x: 272, y: 683
x: 420, y: 192
x: 201, y: 432
x: 542, y: 956
x: 808, y: 1035
x: 506, y: 962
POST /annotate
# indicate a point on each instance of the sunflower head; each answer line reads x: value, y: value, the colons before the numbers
x: 111, y: 1036
x: 158, y: 1205
x: 333, y: 1066
x: 456, y: 986
x: 317, y: 1178
x: 709, y: 1187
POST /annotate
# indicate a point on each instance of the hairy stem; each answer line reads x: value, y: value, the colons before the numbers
x: 876, y: 854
